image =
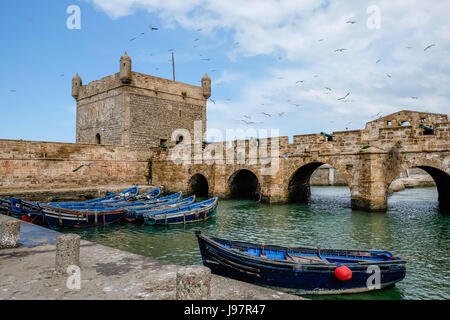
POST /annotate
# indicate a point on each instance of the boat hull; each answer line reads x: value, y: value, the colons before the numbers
x: 298, y: 278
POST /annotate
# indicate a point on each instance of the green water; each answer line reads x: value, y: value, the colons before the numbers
x: 412, y: 228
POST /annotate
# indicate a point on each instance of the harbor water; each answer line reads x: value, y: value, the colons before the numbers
x: 413, y: 228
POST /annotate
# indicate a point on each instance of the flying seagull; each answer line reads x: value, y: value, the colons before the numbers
x: 340, y: 50
x: 350, y: 21
x: 378, y: 60
x: 248, y: 117
x: 388, y: 75
x: 88, y: 165
x: 430, y: 46
x: 286, y: 155
x: 213, y: 101
x: 415, y: 98
x: 153, y: 29
x: 281, y: 113
x: 199, y: 29
x: 409, y: 47
x: 329, y: 89
x: 344, y: 96
x: 300, y: 81
x: 266, y: 114
x: 132, y: 39
x: 320, y: 40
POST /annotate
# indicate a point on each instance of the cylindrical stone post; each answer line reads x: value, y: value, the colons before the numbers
x: 67, y: 252
x: 10, y: 234
x: 193, y: 283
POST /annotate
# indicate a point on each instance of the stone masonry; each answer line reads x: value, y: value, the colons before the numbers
x: 125, y: 130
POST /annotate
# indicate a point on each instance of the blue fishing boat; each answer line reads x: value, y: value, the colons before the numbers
x: 57, y: 218
x: 200, y: 211
x: 302, y: 270
x: 143, y: 203
x: 136, y: 214
x: 132, y: 192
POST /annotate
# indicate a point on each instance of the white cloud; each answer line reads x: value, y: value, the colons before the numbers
x: 292, y: 29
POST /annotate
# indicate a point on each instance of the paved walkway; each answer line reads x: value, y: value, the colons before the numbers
x: 28, y: 273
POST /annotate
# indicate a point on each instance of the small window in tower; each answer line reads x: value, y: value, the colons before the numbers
x: 389, y: 123
x: 98, y: 139
x: 180, y: 139
x: 179, y: 114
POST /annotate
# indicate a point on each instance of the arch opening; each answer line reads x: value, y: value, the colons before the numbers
x: 312, y: 174
x: 98, y: 139
x: 199, y: 186
x: 421, y: 177
x: 244, y: 184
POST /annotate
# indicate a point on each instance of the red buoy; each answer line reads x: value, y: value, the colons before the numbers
x: 343, y: 273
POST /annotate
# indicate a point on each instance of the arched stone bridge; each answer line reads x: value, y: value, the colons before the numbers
x: 369, y: 159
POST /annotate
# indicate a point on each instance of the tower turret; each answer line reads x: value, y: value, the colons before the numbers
x: 206, y: 84
x: 125, y: 69
x: 76, y: 86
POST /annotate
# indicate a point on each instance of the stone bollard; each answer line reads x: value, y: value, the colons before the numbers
x: 10, y: 234
x: 67, y: 252
x: 193, y: 283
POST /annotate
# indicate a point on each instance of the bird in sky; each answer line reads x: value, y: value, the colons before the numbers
x: 320, y: 40
x: 281, y: 113
x: 351, y: 22
x: 378, y: 114
x: 12, y: 90
x: 344, y: 96
x: 415, y: 98
x: 329, y: 89
x: 197, y: 39
x: 248, y: 117
x: 409, y: 47
x: 248, y: 122
x: 280, y: 78
x: 198, y: 30
x: 132, y: 39
x: 378, y: 60
x: 300, y: 81
x: 297, y: 105
x: 61, y: 75
x: 206, y: 59
x: 266, y: 114
x: 430, y: 46
x: 340, y: 50
x: 153, y: 29
x: 388, y: 75
x: 286, y: 155
x: 88, y: 165
x: 213, y: 101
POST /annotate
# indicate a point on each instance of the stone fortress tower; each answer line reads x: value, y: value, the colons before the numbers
x: 136, y: 110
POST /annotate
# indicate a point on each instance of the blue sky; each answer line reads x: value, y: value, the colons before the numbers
x: 259, y: 50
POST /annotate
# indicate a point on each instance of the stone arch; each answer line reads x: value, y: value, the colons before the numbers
x: 244, y: 184
x: 98, y: 139
x: 299, y: 186
x: 439, y: 174
x: 198, y: 185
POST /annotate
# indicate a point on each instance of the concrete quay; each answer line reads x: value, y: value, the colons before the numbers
x: 28, y: 273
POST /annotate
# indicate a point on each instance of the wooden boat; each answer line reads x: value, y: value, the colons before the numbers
x: 200, y: 211
x: 136, y: 214
x: 64, y: 218
x: 303, y: 270
x: 132, y: 192
x: 123, y: 203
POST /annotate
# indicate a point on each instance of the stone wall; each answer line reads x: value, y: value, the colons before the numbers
x: 26, y: 165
